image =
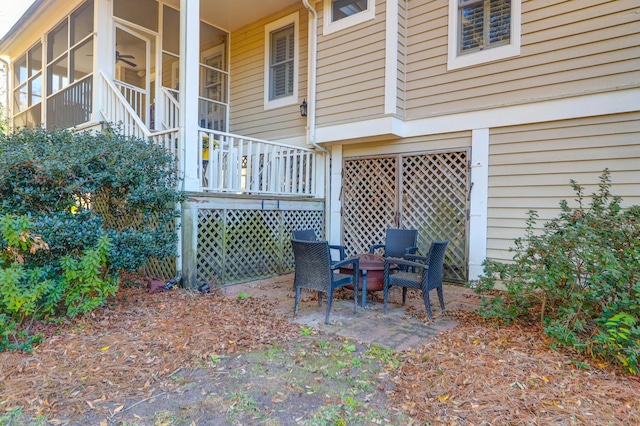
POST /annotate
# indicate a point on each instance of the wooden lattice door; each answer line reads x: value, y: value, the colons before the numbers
x: 427, y: 192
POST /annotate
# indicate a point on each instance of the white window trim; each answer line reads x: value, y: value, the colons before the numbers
x: 455, y: 60
x: 268, y: 29
x: 349, y: 21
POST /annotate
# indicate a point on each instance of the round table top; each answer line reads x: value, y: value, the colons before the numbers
x: 369, y: 262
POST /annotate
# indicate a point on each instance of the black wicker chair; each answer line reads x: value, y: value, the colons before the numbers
x: 314, y: 271
x: 310, y: 235
x: 430, y: 270
x: 398, y: 242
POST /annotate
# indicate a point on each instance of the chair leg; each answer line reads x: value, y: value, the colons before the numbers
x: 329, y: 303
x: 355, y: 298
x: 296, y: 304
x: 427, y: 304
x: 320, y: 298
x: 386, y: 297
x: 404, y: 295
x: 441, y: 297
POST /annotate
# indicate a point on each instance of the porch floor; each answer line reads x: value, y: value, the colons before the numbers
x: 396, y: 330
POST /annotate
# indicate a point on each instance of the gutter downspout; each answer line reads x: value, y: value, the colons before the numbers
x: 6, y: 90
x: 311, y: 81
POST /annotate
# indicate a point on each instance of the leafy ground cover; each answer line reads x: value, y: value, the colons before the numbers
x: 183, y: 358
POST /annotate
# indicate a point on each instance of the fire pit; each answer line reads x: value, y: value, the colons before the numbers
x: 371, y: 272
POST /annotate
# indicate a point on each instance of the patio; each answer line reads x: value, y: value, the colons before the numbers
x: 397, y: 329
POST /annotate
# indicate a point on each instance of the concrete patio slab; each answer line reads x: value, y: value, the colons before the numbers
x: 395, y: 330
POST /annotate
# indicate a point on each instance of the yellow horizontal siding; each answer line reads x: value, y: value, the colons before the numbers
x: 432, y: 143
x: 248, y: 116
x: 568, y: 48
x: 351, y: 71
x: 531, y: 166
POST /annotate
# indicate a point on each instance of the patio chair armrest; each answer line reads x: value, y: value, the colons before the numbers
x: 374, y: 247
x: 339, y: 248
x: 354, y: 260
x: 415, y: 257
x: 403, y: 262
x: 411, y: 250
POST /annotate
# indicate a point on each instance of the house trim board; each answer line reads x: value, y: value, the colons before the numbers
x: 391, y: 58
x: 478, y: 207
x: 620, y: 101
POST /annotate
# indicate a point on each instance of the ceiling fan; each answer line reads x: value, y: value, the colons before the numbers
x: 125, y: 59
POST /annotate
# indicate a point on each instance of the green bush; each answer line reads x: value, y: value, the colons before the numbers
x: 74, y: 210
x: 579, y: 276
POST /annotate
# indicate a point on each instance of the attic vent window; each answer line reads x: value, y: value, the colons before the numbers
x: 343, y: 8
x: 341, y: 14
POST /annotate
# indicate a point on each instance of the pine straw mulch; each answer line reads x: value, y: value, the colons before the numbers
x: 132, y: 348
x: 483, y: 374
x: 475, y: 374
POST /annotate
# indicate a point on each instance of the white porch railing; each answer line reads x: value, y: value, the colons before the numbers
x: 116, y: 109
x: 136, y: 97
x: 170, y: 109
x: 167, y: 139
x: 232, y: 163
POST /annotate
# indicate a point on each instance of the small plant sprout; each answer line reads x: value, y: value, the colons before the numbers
x: 242, y: 295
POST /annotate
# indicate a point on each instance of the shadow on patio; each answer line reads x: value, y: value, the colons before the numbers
x: 397, y: 329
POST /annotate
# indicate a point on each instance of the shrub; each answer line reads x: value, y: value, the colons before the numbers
x: 72, y: 185
x: 579, y: 276
x: 75, y: 209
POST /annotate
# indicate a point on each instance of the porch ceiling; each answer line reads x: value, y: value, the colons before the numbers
x: 233, y: 14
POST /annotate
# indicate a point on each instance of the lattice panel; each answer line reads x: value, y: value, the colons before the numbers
x: 117, y: 218
x: 369, y: 202
x: 243, y: 245
x: 432, y: 191
x: 210, y: 258
x: 300, y: 219
x: 434, y: 201
x: 161, y: 268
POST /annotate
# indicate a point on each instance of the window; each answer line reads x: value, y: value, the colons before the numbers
x: 27, y: 92
x: 340, y: 14
x: 482, y: 31
x: 281, y: 62
x: 69, y: 69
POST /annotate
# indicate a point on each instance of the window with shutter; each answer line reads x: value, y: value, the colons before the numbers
x: 482, y: 31
x: 281, y: 62
x: 484, y: 23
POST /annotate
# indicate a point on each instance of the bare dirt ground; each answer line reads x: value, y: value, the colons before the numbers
x: 180, y: 357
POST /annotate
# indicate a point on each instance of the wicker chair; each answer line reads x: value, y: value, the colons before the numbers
x: 398, y: 242
x: 310, y: 235
x: 314, y: 271
x: 429, y: 278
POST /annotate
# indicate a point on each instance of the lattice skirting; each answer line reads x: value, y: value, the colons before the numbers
x: 239, y: 245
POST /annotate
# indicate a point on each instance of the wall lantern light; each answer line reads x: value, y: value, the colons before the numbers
x: 303, y: 108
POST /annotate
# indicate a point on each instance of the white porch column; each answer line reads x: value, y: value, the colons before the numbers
x: 479, y: 195
x: 334, y: 222
x: 188, y: 139
x: 102, y: 60
x: 189, y: 88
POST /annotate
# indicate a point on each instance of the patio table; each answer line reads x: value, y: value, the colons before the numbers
x: 371, y: 273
